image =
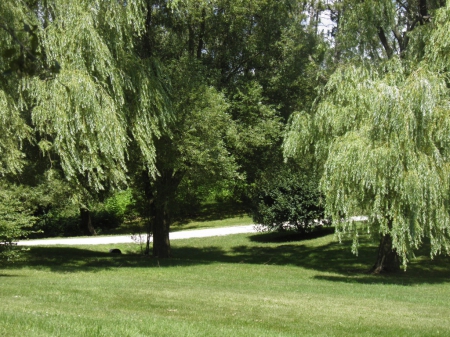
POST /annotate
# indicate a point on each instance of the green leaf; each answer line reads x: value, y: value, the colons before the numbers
x: 9, y: 52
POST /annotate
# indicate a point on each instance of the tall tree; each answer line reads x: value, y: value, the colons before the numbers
x: 193, y: 148
x: 236, y: 48
x: 266, y: 56
x: 380, y: 130
x: 76, y: 87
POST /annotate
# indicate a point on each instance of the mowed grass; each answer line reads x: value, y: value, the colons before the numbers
x: 241, y: 220
x: 238, y: 285
x: 210, y: 216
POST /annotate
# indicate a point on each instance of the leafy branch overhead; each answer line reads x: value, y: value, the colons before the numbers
x: 76, y: 79
x: 25, y: 57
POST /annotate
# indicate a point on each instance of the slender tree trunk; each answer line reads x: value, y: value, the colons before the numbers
x: 149, y: 208
x: 86, y: 222
x: 147, y: 38
x: 201, y: 35
x: 388, y: 260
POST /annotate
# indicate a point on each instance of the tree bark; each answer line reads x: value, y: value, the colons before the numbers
x: 201, y: 35
x: 146, y: 40
x: 423, y: 10
x: 388, y: 260
x: 385, y: 43
x: 166, y: 186
x: 161, y: 228
x: 86, y: 222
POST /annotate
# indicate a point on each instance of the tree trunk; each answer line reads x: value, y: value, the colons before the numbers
x: 166, y: 187
x: 201, y: 35
x: 86, y: 222
x: 161, y: 227
x: 147, y: 38
x: 388, y: 260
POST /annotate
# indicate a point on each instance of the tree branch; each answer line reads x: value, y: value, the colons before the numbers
x: 385, y: 42
x: 240, y: 64
x: 201, y: 34
x: 15, y: 38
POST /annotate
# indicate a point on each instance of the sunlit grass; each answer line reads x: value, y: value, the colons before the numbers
x: 239, y: 285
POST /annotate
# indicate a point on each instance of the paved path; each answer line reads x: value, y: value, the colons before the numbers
x: 198, y: 233
x: 98, y: 240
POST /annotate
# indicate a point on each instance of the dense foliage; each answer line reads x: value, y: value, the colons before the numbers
x: 380, y: 129
x: 287, y: 200
x: 16, y: 220
x: 227, y: 63
x: 77, y: 91
x: 183, y: 100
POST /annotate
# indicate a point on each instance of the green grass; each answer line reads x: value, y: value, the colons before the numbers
x: 190, y: 224
x: 210, y: 216
x: 200, y: 224
x: 239, y: 285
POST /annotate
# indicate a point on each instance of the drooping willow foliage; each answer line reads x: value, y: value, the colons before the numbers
x: 381, y: 132
x: 75, y: 83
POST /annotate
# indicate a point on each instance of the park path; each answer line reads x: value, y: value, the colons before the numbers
x: 98, y: 240
x: 196, y: 233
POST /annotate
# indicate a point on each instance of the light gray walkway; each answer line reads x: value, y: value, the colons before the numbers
x: 98, y: 240
x: 198, y: 233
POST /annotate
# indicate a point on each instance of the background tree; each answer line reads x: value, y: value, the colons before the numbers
x: 266, y: 56
x: 379, y: 130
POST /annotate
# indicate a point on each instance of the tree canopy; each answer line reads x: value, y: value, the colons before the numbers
x: 171, y: 95
x: 75, y: 85
x: 77, y: 91
x: 380, y: 131
x: 225, y: 61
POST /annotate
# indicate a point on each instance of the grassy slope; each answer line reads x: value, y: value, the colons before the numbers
x: 240, y: 285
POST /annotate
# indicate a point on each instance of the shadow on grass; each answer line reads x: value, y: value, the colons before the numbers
x: 8, y: 275
x: 279, y: 249
x: 67, y: 259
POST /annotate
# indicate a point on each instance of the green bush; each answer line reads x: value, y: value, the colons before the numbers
x: 66, y: 221
x: 118, y: 205
x: 15, y: 221
x: 287, y: 200
x: 58, y: 222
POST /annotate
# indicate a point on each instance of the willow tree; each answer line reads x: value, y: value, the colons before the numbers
x: 76, y: 87
x: 380, y: 130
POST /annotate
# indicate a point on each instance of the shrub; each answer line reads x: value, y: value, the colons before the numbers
x: 15, y: 221
x: 118, y: 204
x: 287, y: 200
x: 58, y: 222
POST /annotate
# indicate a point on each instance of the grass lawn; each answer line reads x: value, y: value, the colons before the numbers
x: 210, y: 216
x: 241, y: 220
x: 238, y: 285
